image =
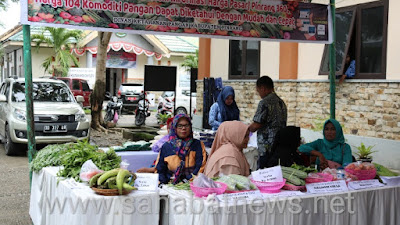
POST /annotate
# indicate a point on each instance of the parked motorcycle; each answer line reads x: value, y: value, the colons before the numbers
x: 142, y: 111
x: 113, y: 110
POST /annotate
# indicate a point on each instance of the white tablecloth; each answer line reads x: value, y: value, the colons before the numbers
x: 138, y: 159
x: 70, y: 203
x: 380, y: 206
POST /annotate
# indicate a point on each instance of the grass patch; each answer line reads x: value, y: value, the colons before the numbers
x: 87, y: 111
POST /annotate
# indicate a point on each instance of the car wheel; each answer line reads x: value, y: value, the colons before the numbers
x: 10, y: 147
x: 180, y: 110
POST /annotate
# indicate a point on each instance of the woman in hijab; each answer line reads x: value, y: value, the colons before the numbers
x: 331, y: 151
x: 284, y: 149
x: 182, y: 155
x: 226, y: 155
x: 225, y: 109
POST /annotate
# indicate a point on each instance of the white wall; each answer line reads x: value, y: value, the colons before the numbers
x: 137, y: 74
x: 393, y: 53
x: 219, y: 58
x: 310, y: 57
x: 269, y: 59
x: 37, y: 60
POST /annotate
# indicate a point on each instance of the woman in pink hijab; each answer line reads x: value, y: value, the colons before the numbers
x: 226, y: 155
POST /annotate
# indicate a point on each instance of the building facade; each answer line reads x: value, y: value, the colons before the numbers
x: 366, y: 105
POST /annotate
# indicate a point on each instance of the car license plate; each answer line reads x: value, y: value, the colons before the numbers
x: 55, y: 128
x: 131, y: 98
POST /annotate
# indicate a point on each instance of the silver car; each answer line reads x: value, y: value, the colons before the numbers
x: 58, y: 116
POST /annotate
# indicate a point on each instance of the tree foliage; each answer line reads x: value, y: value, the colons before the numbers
x: 191, y: 61
x: 59, y: 39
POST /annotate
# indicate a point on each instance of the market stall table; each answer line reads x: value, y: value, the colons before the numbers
x: 69, y: 202
x: 138, y: 159
x: 379, y: 206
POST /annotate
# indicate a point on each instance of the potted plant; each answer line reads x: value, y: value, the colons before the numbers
x: 162, y: 118
x: 365, y: 153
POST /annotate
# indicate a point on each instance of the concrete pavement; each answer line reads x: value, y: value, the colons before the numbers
x: 14, y: 191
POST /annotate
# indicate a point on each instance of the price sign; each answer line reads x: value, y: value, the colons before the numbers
x: 364, y: 184
x: 273, y: 174
x: 327, y: 187
x: 247, y: 195
x: 146, y: 181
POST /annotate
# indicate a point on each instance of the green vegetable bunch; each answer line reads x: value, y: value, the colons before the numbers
x: 383, y: 171
x: 48, y: 156
x: 303, y: 168
x: 79, y: 153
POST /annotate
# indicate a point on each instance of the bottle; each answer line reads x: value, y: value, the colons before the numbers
x: 340, y: 175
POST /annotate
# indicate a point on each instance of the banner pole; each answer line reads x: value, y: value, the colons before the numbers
x: 28, y: 92
x: 332, y: 63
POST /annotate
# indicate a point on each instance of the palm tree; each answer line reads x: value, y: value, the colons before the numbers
x: 191, y: 61
x: 59, y: 39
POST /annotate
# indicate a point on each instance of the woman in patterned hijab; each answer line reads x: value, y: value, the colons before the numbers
x: 181, y: 156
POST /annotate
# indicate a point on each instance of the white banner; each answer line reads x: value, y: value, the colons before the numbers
x: 88, y: 74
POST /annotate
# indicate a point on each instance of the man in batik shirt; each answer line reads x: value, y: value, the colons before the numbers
x: 271, y: 116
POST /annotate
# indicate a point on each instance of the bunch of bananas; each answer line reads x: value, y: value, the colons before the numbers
x: 120, y: 179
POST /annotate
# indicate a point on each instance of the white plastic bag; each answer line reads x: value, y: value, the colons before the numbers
x: 88, y: 170
x: 203, y: 181
x: 124, y: 164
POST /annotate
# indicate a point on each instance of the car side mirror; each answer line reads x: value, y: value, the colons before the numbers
x: 3, y: 98
x: 79, y: 98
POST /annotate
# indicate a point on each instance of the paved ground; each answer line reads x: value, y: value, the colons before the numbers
x: 14, y: 190
x: 14, y: 180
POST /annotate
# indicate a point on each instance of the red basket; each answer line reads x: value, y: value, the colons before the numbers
x: 269, y: 187
x: 293, y: 187
x: 204, y: 192
x: 324, y: 177
x: 362, y: 174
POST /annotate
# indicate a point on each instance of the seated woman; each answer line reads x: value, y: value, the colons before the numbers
x: 284, y: 149
x: 331, y: 151
x: 225, y: 109
x: 182, y: 155
x: 152, y: 168
x: 226, y: 155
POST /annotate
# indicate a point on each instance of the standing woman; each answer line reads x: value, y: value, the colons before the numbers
x: 225, y: 109
x: 182, y: 155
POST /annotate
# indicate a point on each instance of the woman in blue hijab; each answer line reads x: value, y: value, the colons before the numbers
x: 225, y: 109
x: 332, y: 151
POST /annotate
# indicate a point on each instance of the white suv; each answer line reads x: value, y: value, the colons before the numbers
x: 58, y: 116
